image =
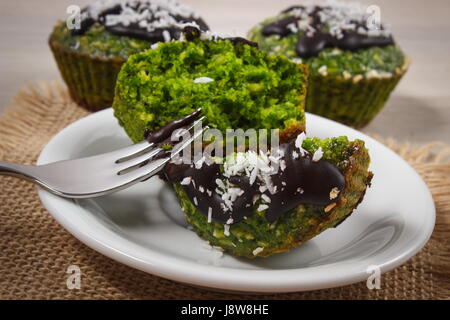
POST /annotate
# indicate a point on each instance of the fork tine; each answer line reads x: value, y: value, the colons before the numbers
x: 132, y: 151
x: 143, y: 160
x: 192, y: 125
x: 195, y: 123
x: 155, y: 166
x: 178, y: 148
x: 143, y: 147
x: 139, y: 160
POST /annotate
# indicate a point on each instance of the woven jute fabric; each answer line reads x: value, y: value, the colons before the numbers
x: 35, y: 251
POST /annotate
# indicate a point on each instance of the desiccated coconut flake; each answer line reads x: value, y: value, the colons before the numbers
x: 209, y: 214
x: 317, y: 155
x: 299, y: 142
x: 357, y: 78
x: 334, y: 193
x: 323, y: 70
x: 226, y: 229
x: 282, y: 165
x: 265, y: 198
x: 262, y: 207
x: 186, y: 181
x: 220, y: 184
x: 253, y: 176
x: 203, y: 80
x: 166, y: 36
x: 257, y: 250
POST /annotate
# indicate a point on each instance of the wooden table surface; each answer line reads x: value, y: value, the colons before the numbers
x: 418, y: 110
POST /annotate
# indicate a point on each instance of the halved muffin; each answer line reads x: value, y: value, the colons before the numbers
x: 235, y: 84
x: 312, y: 193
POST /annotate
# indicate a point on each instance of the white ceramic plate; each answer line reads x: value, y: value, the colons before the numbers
x: 144, y: 227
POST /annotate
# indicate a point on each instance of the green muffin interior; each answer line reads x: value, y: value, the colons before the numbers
x: 249, y: 89
x: 337, y: 61
x: 298, y: 225
x: 96, y: 41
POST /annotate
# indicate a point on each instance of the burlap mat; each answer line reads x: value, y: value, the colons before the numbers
x: 35, y: 251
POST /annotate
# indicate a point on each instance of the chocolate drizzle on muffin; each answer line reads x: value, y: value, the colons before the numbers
x: 275, y: 182
x: 163, y: 134
x: 148, y: 20
x: 335, y: 25
x: 192, y: 33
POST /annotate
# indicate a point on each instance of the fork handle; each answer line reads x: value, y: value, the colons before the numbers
x: 17, y: 170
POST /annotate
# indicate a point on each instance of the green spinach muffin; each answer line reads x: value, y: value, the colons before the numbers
x: 354, y: 63
x: 90, y: 55
x: 245, y: 207
x: 248, y: 203
x: 235, y: 84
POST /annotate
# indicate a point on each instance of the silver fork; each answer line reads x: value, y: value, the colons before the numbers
x: 101, y: 174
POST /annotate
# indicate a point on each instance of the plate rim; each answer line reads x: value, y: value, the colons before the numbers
x: 233, y: 279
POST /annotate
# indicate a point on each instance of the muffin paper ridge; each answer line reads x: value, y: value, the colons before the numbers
x: 91, y: 80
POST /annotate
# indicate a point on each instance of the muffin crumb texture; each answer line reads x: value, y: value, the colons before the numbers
x: 258, y: 236
x: 236, y: 85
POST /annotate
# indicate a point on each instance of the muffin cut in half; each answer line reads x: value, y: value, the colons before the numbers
x: 90, y: 55
x: 280, y: 210
x: 235, y: 84
x: 354, y: 64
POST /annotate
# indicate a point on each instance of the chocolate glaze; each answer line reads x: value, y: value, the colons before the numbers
x: 316, y: 179
x: 303, y: 181
x: 163, y: 134
x: 289, y: 9
x: 241, y: 40
x: 133, y: 30
x: 279, y: 27
x: 191, y: 33
x: 310, y: 46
